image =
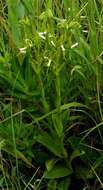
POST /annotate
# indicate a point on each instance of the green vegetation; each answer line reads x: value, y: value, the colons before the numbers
x: 51, y: 88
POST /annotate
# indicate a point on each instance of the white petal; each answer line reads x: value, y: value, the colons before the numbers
x: 52, y: 43
x: 74, y: 45
x: 63, y: 49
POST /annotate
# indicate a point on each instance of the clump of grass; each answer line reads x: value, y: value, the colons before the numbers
x: 51, y: 94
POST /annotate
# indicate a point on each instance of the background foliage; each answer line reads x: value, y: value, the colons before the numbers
x: 51, y: 107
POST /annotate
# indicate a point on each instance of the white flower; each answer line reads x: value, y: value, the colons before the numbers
x: 42, y: 35
x: 85, y: 31
x: 23, y: 50
x: 49, y: 63
x: 74, y: 45
x: 52, y: 43
x: 62, y: 47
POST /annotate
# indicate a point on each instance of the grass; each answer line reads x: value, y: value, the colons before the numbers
x: 51, y: 105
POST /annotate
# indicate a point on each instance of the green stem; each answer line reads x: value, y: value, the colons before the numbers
x: 44, y: 101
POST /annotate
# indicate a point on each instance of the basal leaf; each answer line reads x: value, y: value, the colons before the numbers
x: 53, y: 144
x: 57, y: 171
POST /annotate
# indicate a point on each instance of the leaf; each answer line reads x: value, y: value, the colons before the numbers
x: 18, y: 154
x: 76, y: 153
x: 74, y: 142
x: 83, y: 172
x: 62, y: 108
x: 64, y: 184
x: 21, y: 156
x: 13, y: 19
x: 98, y: 163
x: 50, y: 163
x: 47, y: 14
x: 20, y: 10
x: 52, y: 184
x: 53, y: 144
x: 57, y: 124
x: 78, y: 69
x: 57, y: 171
x: 71, y: 104
x: 28, y: 6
